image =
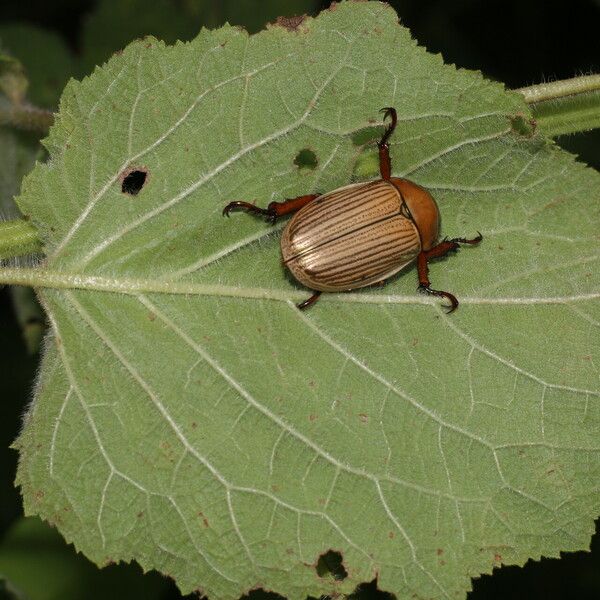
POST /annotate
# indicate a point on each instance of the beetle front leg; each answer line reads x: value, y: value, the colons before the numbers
x: 385, y: 164
x: 438, y: 251
x: 274, y: 210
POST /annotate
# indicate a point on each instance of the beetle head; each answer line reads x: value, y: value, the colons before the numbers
x: 423, y: 210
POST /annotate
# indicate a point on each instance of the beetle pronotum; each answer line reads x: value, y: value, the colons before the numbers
x: 361, y: 234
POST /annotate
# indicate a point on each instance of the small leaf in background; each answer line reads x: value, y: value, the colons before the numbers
x: 190, y: 418
x: 47, y: 61
x: 13, y: 83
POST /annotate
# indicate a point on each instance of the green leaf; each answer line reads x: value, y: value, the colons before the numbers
x: 189, y: 417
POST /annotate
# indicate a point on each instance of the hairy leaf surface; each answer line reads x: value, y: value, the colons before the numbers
x: 189, y: 417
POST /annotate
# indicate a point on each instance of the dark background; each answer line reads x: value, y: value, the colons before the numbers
x: 517, y: 42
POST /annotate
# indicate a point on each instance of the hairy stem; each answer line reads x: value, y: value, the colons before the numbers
x: 27, y: 117
x: 18, y: 237
x: 566, y: 106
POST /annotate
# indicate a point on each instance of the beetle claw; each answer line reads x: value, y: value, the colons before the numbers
x: 425, y: 289
x: 248, y: 207
x: 387, y: 112
x: 474, y: 241
x: 450, y: 308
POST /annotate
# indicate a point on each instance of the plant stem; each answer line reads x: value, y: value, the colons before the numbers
x: 27, y: 117
x: 18, y: 237
x: 566, y: 106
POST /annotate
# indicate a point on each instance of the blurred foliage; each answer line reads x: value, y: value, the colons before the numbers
x: 31, y: 546
x: 116, y: 22
x: 13, y: 82
x: 520, y: 43
x: 47, y: 61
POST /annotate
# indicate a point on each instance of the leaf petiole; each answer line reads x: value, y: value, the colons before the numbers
x: 566, y: 106
x: 18, y: 237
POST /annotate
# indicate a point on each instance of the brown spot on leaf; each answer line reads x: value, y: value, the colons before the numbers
x: 204, y: 519
x: 363, y: 417
x: 290, y: 23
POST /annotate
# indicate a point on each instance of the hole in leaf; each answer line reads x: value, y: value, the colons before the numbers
x: 306, y: 159
x: 330, y: 564
x: 133, y: 182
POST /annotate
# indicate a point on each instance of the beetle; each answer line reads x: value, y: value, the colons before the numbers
x: 361, y: 234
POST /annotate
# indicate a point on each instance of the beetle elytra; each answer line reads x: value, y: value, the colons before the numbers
x: 361, y: 234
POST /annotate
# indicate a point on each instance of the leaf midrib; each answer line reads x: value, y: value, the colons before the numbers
x: 48, y: 278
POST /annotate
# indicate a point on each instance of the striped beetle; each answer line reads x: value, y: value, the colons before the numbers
x: 361, y: 234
